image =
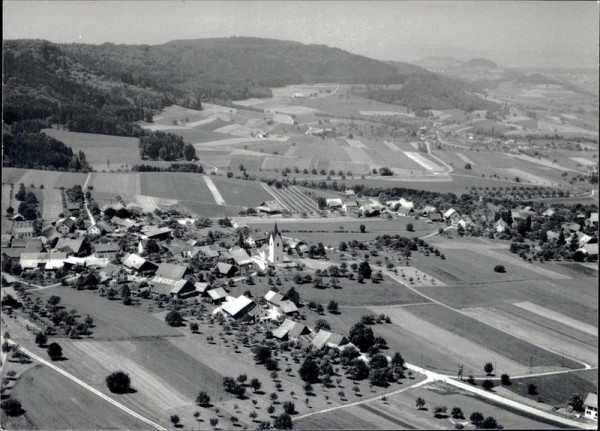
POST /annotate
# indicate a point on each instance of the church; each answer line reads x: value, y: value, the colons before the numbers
x: 273, y: 252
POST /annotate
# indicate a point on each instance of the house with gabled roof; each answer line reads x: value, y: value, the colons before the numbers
x: 590, y: 405
x: 290, y: 330
x: 66, y: 225
x: 326, y: 339
x: 349, y: 206
x: 500, y: 226
x: 217, y: 295
x: 334, y: 203
x: 226, y: 269
x: 238, y: 307
x: 71, y: 246
x: 138, y: 264
x: 106, y: 250
x: 112, y: 274
x: 270, y: 207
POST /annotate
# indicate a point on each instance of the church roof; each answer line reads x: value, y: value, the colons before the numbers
x: 275, y: 233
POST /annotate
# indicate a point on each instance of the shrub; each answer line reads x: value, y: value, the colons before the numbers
x: 118, y: 382
x: 289, y: 407
x: 457, y: 413
x: 505, y: 379
x: 487, y: 384
x: 12, y: 407
x: 283, y: 421
x: 41, y: 339
x: 532, y: 389
x: 499, y: 268
x: 476, y: 418
x: 203, y: 399
x: 55, y: 351
x: 174, y: 318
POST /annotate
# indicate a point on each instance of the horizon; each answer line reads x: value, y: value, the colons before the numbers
x: 405, y: 31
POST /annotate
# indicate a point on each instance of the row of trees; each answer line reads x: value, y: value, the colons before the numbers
x: 166, y: 146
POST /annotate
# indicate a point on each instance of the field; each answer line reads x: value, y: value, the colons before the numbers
x: 78, y: 408
x: 50, y: 179
x: 179, y: 186
x: 293, y: 199
x: 112, y: 320
x: 50, y: 203
x: 101, y: 151
x: 399, y: 412
x: 240, y: 192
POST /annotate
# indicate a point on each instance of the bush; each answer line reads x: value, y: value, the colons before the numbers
x: 289, y: 407
x: 499, y: 268
x: 476, y: 418
x: 439, y: 411
x: 203, y: 399
x: 488, y: 368
x: 487, y: 385
x: 505, y: 379
x: 41, y: 339
x: 174, y: 318
x: 12, y: 407
x: 118, y: 382
x: 532, y: 389
x: 283, y: 421
x: 457, y: 413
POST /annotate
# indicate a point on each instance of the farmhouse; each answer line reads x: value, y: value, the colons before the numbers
x: 217, y: 295
x: 6, y: 240
x: 282, y: 306
x: 290, y: 330
x: 328, y: 339
x: 349, y: 206
x: 549, y: 212
x: 334, y: 204
x: 23, y: 229
x: 406, y: 204
x: 71, y: 246
x: 593, y: 218
x: 349, y: 194
x: 427, y: 210
x: 589, y: 249
x: 201, y: 288
x: 100, y: 228
x: 66, y: 225
x: 270, y: 207
x: 451, y: 215
x: 226, y: 269
x: 591, y: 406
x: 370, y: 210
x: 435, y: 216
x: 172, y: 271
x: 158, y: 234
x: 394, y: 204
x: 113, y: 274
x: 241, y: 259
x: 178, y: 289
x: 238, y: 307
x: 139, y: 264
x: 108, y: 250
x: 47, y: 261
x: 405, y: 212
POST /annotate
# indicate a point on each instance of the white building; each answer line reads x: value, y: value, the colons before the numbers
x: 274, y: 253
x: 591, y: 406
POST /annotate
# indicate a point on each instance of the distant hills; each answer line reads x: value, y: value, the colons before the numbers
x: 103, y: 88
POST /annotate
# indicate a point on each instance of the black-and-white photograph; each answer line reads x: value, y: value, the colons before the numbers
x: 311, y: 215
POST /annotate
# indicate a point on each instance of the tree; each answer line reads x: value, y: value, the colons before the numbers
x: 364, y: 270
x: 420, y: 403
x: 55, y: 351
x: 322, y: 324
x: 12, y: 407
x: 283, y: 422
x: 490, y: 423
x: 487, y: 384
x: 378, y: 361
x: 41, y: 339
x: 194, y: 327
x: 174, y: 318
x: 242, y: 378
x: 203, y: 399
x: 380, y: 376
x: 189, y: 152
x: 255, y: 384
x: 576, y: 402
x: 398, y: 360
x: 175, y: 420
x: 505, y: 379
x: 293, y: 295
x: 343, y: 246
x: 309, y: 371
x: 476, y: 418
x: 532, y: 389
x: 410, y: 227
x: 53, y: 300
x: 362, y: 228
x: 361, y: 336
x: 439, y: 411
x: 289, y: 407
x: 118, y: 382
x: 214, y: 422
x: 488, y: 368
x: 332, y: 307
x: 499, y: 268
x: 457, y: 413
x: 261, y: 354
x: 468, y: 166
x: 358, y: 370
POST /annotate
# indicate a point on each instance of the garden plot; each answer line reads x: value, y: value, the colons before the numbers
x: 543, y: 334
x: 423, y: 161
x: 391, y: 146
x: 359, y: 155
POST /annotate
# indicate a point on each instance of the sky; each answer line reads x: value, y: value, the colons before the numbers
x: 519, y: 34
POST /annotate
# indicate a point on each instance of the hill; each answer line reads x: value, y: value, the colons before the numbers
x: 104, y: 88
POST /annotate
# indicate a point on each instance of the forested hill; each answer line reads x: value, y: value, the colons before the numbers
x: 103, y: 88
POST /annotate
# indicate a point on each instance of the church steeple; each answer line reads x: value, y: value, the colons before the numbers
x: 275, y: 233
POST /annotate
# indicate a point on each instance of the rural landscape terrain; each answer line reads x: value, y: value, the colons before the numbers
x: 245, y: 233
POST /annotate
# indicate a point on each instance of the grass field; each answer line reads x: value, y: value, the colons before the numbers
x: 241, y: 192
x: 124, y: 184
x: 540, y: 331
x: 557, y: 389
x: 50, y: 179
x: 52, y: 401
x: 51, y: 203
x: 504, y: 344
x: 180, y: 186
x: 112, y: 320
x: 101, y: 151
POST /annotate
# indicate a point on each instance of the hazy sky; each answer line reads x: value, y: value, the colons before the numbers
x: 541, y: 33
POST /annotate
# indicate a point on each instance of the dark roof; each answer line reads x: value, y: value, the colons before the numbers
x: 170, y: 270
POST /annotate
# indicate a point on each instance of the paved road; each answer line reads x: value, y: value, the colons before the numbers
x: 88, y: 387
